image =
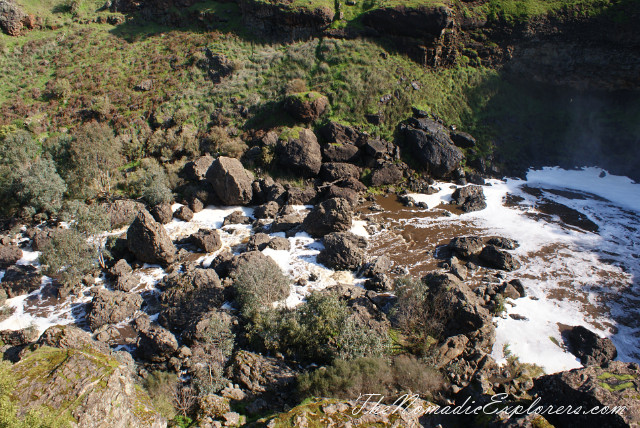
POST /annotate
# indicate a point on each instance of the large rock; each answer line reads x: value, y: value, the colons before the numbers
x: 196, y: 170
x: 589, y: 347
x: 9, y: 255
x: 470, y: 198
x: 208, y: 240
x: 70, y: 337
x: 389, y: 173
x: 337, y: 134
x: 298, y: 151
x: 112, y: 307
x: 162, y: 213
x: 155, y: 344
x: 90, y: 388
x: 340, y: 153
x: 231, y: 182
x: 333, y: 171
x: 122, y: 211
x: 343, y: 250
x: 306, y: 106
x: 149, y: 241
x: 20, y: 279
x: 466, y: 246
x: 498, y: 259
x: 260, y: 374
x: 187, y: 295
x: 12, y: 17
x: 615, y: 386
x: 432, y: 147
x: 332, y: 215
x: 465, y: 312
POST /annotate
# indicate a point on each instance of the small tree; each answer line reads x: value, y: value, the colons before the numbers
x: 39, y: 187
x: 67, y: 256
x: 259, y: 283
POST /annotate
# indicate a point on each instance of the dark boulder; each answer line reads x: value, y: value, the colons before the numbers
x: 470, y: 198
x: 20, y: 279
x: 120, y: 268
x: 196, y: 170
x: 40, y: 238
x: 70, y: 337
x: 12, y: 17
x: 340, y: 153
x: 162, y: 213
x: 279, y: 244
x: 614, y: 386
x: 466, y: 246
x: 125, y: 282
x: 258, y: 242
x: 236, y: 217
x: 299, y: 152
x: 346, y: 193
x: 381, y: 265
x: 183, y: 213
x: 231, y: 182
x: 149, y: 241
x: 122, y: 211
x: 389, y: 173
x: 187, y: 295
x: 498, y: 259
x: 112, y: 307
x: 432, y: 147
x: 306, y: 106
x: 462, y: 139
x: 287, y: 223
x: 337, y: 134
x: 9, y: 255
x: 155, y: 343
x: 343, y: 250
x: 504, y: 243
x: 589, y: 347
x: 268, y: 210
x: 332, y: 215
x: 259, y: 374
x: 298, y: 196
x: 207, y: 240
x: 334, y: 171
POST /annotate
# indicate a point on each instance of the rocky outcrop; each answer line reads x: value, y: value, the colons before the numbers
x: 20, y: 279
x: 155, y: 343
x: 430, y: 143
x: 589, y: 347
x: 470, y: 198
x: 149, y: 241
x: 334, y: 171
x: 306, y: 107
x: 12, y: 18
x: 466, y: 246
x: 196, y: 170
x: 284, y: 22
x: 498, y: 259
x: 260, y: 374
x: 231, y: 182
x: 70, y: 337
x: 388, y: 173
x: 9, y: 255
x: 187, y: 295
x: 90, y: 388
x: 112, y: 307
x: 122, y: 211
x: 335, y: 133
x: 299, y: 152
x: 343, y: 250
x: 615, y: 386
x: 332, y: 215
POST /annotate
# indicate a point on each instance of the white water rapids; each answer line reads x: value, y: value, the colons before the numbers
x: 572, y: 275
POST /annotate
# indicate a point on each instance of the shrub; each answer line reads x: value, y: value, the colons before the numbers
x: 295, y: 86
x: 322, y: 329
x: 419, y: 314
x: 212, y: 355
x: 150, y: 181
x: 162, y: 387
x: 259, y: 284
x: 94, y: 155
x: 87, y: 219
x: 349, y: 379
x: 67, y: 256
x: 40, y: 187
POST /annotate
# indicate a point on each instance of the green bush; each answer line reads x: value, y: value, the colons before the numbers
x: 349, y: 379
x: 67, y: 256
x: 94, y: 155
x: 259, y: 284
x: 419, y: 314
x: 212, y: 354
x: 87, y: 219
x: 150, y: 181
x: 40, y: 188
x: 322, y: 329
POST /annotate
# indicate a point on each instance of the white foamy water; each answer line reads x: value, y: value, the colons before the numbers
x: 572, y: 276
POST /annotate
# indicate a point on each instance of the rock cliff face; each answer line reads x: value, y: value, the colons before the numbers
x: 87, y: 387
x: 282, y: 23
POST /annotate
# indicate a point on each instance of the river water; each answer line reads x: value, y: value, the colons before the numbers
x: 579, y: 235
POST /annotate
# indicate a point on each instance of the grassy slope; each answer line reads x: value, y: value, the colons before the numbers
x: 100, y: 65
